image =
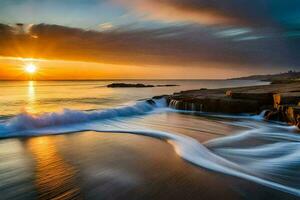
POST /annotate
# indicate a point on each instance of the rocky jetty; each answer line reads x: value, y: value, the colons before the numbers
x: 135, y: 85
x: 280, y: 100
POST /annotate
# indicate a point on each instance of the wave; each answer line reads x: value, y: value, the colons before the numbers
x: 273, y: 165
x: 267, y: 154
x: 26, y: 121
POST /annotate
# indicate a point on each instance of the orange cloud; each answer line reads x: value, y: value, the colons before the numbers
x: 13, y: 69
x: 178, y: 45
x: 173, y: 12
x: 208, y: 12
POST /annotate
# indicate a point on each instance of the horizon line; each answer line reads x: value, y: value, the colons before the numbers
x: 113, y: 79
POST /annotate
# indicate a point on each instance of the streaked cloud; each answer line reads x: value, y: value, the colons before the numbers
x: 283, y: 14
x: 203, y: 11
x: 106, y: 26
x: 186, y: 45
x: 232, y: 34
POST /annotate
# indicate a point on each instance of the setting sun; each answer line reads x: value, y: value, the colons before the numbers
x: 30, y: 68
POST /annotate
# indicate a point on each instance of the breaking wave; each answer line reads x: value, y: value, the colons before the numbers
x: 267, y: 154
x: 26, y: 121
x: 273, y: 162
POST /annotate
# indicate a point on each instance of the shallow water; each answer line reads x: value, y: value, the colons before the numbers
x: 54, y: 96
x: 134, y: 150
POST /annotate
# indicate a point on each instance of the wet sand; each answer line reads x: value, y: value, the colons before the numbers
x: 92, y: 165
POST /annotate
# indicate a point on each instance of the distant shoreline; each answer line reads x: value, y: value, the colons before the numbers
x: 279, y: 77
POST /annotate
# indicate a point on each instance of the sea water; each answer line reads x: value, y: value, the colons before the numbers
x: 244, y: 147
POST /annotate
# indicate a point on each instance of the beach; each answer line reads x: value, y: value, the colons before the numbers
x: 145, y: 99
x: 136, y: 150
x: 93, y: 165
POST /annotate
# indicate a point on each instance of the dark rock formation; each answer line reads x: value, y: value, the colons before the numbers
x: 128, y: 85
x: 222, y: 101
x: 293, y: 114
x: 275, y: 115
x: 262, y: 98
x: 167, y: 85
x: 280, y: 100
x: 288, y: 98
x: 161, y: 96
x: 216, y: 104
x: 136, y: 85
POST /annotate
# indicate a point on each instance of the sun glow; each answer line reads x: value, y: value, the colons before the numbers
x: 30, y: 68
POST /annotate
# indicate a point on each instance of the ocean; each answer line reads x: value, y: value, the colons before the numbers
x: 82, y: 140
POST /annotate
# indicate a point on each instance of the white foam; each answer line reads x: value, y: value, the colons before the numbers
x: 26, y: 121
x: 264, y: 163
x: 191, y: 150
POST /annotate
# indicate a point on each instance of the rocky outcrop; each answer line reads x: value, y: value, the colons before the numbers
x: 137, y: 85
x: 293, y: 114
x: 289, y: 98
x: 262, y: 98
x: 281, y: 101
x: 216, y: 104
x: 128, y: 85
x: 222, y: 101
x: 286, y: 108
x: 167, y: 85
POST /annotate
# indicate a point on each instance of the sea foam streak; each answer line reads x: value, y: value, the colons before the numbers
x: 261, y: 155
x: 27, y: 121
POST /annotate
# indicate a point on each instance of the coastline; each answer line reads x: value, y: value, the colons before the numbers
x: 133, y: 168
x: 279, y: 101
x: 195, y: 139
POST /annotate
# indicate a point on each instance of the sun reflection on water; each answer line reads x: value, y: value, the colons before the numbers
x: 31, y: 98
x: 55, y: 179
x: 31, y: 91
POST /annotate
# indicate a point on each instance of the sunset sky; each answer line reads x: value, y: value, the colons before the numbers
x: 148, y: 39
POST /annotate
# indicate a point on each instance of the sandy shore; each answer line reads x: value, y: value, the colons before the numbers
x: 92, y: 165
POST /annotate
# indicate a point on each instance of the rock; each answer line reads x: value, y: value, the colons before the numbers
x: 298, y: 121
x: 128, y: 85
x: 290, y: 98
x: 282, y: 101
x: 285, y: 113
x: 293, y: 114
x: 137, y: 85
x: 167, y: 85
x: 228, y: 93
x: 215, y: 104
x: 161, y: 96
x: 272, y: 115
x: 263, y: 98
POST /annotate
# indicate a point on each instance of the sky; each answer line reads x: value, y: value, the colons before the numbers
x: 148, y: 39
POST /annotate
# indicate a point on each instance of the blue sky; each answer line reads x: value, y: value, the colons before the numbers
x: 87, y: 14
x: 91, y: 13
x: 75, y: 13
